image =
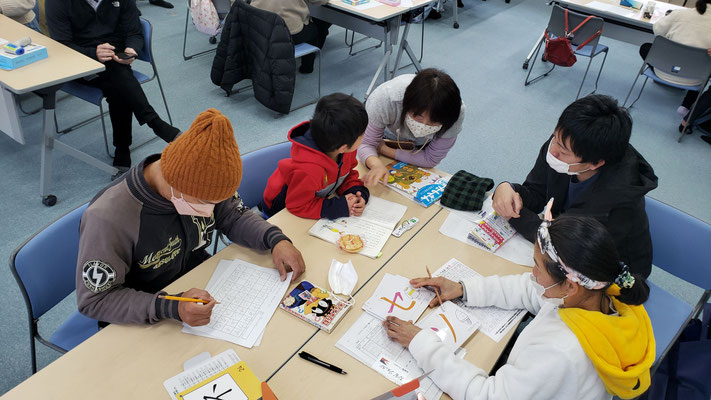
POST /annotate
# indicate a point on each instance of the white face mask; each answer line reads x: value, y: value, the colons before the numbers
x: 418, y: 129
x: 540, y: 290
x: 342, y: 277
x: 560, y: 166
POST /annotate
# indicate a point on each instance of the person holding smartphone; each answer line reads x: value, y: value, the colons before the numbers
x: 110, y: 32
x: 411, y: 118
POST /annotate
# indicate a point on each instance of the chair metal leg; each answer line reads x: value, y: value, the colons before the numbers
x: 33, y: 349
x: 103, y: 128
x: 599, y: 72
x: 535, y: 56
x: 640, y: 92
x: 318, y: 90
x: 688, y: 123
x: 185, y: 38
x: 353, y: 42
x: 639, y: 73
x: 584, y: 76
x: 162, y: 93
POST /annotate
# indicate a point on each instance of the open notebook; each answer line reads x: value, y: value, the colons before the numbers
x: 374, y: 226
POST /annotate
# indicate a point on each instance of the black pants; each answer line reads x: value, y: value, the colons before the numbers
x: 690, y: 97
x: 314, y: 34
x: 703, y: 106
x: 125, y: 97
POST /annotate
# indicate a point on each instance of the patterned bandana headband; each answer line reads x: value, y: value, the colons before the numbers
x: 546, y: 246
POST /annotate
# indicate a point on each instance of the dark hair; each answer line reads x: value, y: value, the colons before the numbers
x: 435, y: 92
x: 597, y: 127
x: 339, y: 119
x: 585, y: 245
x: 701, y: 6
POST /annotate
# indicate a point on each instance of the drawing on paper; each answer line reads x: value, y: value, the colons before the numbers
x: 446, y: 321
x: 393, y: 303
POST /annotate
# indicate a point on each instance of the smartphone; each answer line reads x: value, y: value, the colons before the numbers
x: 125, y: 56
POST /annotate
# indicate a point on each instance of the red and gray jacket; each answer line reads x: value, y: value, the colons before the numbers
x: 303, y: 183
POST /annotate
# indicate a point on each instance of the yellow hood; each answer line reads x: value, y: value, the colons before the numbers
x: 621, y: 347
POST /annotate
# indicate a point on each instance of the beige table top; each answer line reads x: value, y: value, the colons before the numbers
x: 301, y: 379
x: 631, y: 15
x: 62, y: 64
x: 141, y: 358
x: 379, y: 13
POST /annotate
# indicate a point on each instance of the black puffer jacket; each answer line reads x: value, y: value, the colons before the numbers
x: 256, y: 44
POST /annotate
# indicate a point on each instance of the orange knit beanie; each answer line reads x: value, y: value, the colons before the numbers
x: 204, y: 161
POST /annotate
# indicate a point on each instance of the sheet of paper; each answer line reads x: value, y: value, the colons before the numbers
x: 613, y: 9
x: 405, y: 4
x: 198, y: 373
x: 495, y: 322
x: 395, y: 297
x: 248, y: 296
x: 222, y: 388
x: 459, y: 223
x: 368, y: 5
x: 452, y: 324
x: 383, y: 212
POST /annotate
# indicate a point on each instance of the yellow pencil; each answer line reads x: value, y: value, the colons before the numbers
x: 178, y: 298
x: 436, y: 291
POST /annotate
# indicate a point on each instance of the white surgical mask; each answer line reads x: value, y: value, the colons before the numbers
x: 342, y: 277
x: 560, y: 166
x: 183, y: 207
x: 418, y: 129
x: 540, y: 290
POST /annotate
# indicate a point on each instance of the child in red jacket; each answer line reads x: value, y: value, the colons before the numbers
x: 323, y: 161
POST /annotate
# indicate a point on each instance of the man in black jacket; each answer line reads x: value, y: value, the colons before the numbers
x: 590, y: 169
x: 110, y: 31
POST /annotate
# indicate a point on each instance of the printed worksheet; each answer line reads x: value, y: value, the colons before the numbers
x: 374, y: 227
x: 395, y: 297
x: 192, y: 376
x: 451, y: 323
x: 495, y: 322
x: 248, y: 296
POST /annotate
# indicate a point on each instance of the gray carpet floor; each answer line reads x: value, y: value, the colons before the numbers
x: 506, y: 124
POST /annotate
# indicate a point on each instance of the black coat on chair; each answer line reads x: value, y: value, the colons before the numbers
x: 256, y: 44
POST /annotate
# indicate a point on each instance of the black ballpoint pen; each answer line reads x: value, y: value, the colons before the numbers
x: 308, y: 357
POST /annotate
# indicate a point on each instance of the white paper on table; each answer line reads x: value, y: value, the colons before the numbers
x: 192, y: 376
x: 405, y: 3
x: 225, y: 384
x: 368, y: 5
x: 613, y: 9
x: 395, y: 297
x: 459, y: 223
x: 495, y: 322
x: 451, y: 323
x: 375, y: 225
x: 248, y: 296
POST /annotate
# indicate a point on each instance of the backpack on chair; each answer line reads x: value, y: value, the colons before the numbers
x: 558, y: 49
x: 205, y: 17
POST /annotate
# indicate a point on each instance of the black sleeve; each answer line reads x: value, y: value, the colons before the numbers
x: 533, y: 191
x: 335, y: 207
x: 130, y: 23
x: 60, y: 26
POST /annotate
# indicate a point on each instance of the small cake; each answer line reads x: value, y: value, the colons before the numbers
x: 350, y: 243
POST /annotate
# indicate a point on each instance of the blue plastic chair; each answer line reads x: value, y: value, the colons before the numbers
x: 682, y: 247
x: 674, y: 59
x: 45, y: 269
x: 95, y: 95
x: 257, y: 167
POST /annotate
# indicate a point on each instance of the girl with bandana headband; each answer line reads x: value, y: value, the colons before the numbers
x: 591, y: 337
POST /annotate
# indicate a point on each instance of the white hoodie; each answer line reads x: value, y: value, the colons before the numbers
x: 546, y: 362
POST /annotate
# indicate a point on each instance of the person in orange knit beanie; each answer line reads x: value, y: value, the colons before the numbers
x: 154, y: 224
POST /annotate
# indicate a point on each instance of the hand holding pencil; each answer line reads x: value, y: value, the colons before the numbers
x: 443, y: 288
x: 194, y: 306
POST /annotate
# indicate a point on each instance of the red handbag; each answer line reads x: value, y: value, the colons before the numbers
x: 558, y: 49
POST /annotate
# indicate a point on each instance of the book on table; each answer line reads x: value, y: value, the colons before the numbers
x: 491, y: 231
x: 315, y: 305
x: 422, y: 186
x: 373, y: 227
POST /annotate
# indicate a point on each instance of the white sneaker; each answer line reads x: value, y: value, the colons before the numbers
x: 682, y: 111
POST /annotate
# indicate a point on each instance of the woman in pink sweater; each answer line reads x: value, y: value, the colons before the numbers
x: 411, y: 118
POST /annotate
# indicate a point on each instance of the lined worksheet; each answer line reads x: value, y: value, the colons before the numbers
x: 248, y: 296
x: 192, y: 376
x: 495, y: 322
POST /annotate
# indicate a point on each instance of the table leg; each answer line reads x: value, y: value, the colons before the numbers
x: 405, y: 46
x: 48, y: 96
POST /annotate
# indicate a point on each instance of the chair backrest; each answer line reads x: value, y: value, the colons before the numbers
x: 556, y: 26
x: 45, y: 265
x: 678, y: 59
x: 146, y: 53
x: 257, y: 167
x: 682, y: 243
